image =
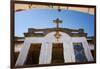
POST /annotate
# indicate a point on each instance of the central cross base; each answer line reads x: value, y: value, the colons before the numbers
x: 57, y: 35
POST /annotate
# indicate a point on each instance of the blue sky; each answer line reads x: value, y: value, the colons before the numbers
x: 43, y: 18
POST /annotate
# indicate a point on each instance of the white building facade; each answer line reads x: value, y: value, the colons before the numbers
x: 45, y: 56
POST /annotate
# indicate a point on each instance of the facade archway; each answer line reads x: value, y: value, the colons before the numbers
x: 68, y: 51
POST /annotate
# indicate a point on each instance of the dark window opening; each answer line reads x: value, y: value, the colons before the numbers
x: 16, y: 54
x: 33, y: 54
x: 57, y: 53
x: 93, y: 53
x: 79, y: 52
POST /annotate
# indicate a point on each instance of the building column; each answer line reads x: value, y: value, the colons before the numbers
x: 23, y: 54
x: 69, y: 55
x: 87, y: 49
x: 45, y: 53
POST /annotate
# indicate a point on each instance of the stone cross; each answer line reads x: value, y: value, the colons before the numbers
x: 57, y: 21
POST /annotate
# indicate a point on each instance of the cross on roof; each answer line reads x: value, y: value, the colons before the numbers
x: 57, y: 21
